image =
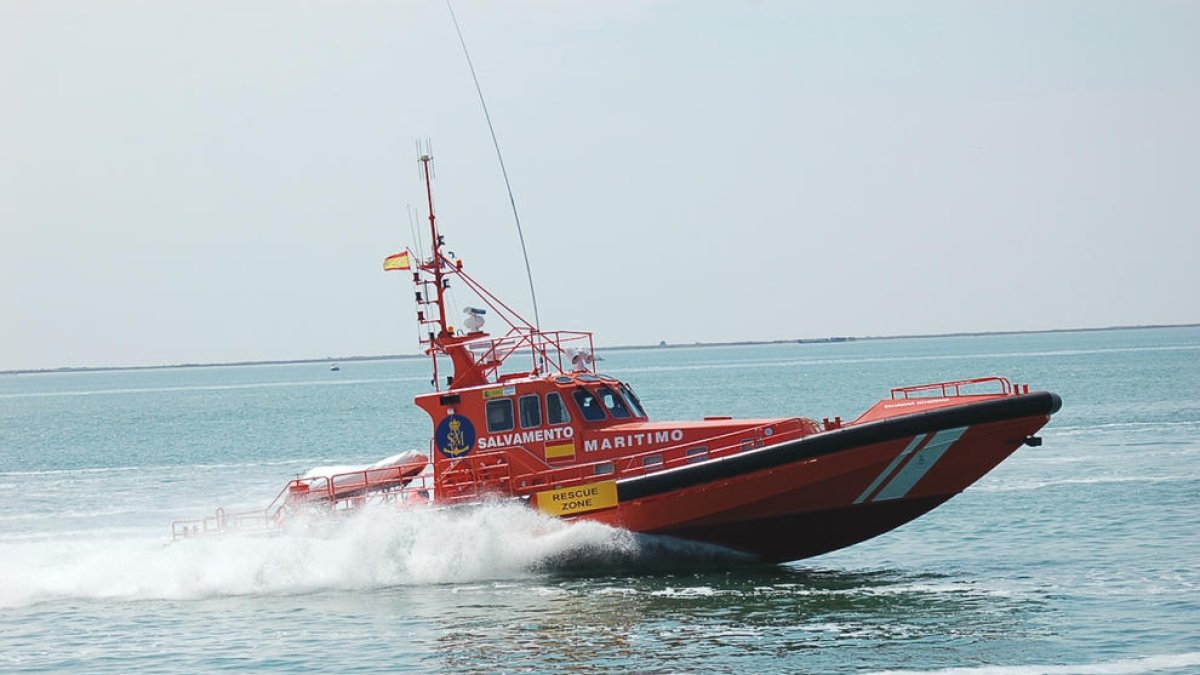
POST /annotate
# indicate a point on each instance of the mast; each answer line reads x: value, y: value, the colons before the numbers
x: 436, y: 262
x: 475, y: 356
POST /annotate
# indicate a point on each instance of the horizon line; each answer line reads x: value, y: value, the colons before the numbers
x: 660, y: 345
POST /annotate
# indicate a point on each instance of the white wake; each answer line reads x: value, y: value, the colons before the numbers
x: 373, y: 548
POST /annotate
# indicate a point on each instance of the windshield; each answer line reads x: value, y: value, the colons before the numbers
x: 614, y: 403
x: 588, y: 405
x: 634, y: 404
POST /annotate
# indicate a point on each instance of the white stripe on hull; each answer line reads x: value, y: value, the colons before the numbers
x: 920, y: 465
x: 890, y: 468
x: 899, y: 485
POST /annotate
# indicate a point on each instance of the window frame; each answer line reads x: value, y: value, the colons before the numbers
x: 632, y: 401
x: 562, y: 407
x: 620, y: 409
x: 537, y: 408
x: 576, y: 398
x: 487, y: 415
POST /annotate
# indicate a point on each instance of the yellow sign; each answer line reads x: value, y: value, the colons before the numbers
x: 498, y: 392
x: 560, y: 450
x: 578, y: 499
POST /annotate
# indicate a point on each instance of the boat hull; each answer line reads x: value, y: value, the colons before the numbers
x: 824, y: 492
x: 804, y: 535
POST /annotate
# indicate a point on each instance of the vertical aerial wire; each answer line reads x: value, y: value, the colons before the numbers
x: 537, y: 322
x: 413, y: 215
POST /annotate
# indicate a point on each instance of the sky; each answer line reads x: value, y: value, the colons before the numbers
x: 204, y: 181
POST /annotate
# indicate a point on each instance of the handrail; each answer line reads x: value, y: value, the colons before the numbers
x: 551, y: 346
x: 337, y: 491
x: 219, y: 522
x: 467, y: 478
x: 472, y: 476
x: 672, y: 456
x: 953, y: 388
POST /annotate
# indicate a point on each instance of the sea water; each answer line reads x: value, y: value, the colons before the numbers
x: 1081, y: 556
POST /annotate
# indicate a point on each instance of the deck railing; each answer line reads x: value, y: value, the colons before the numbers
x: 973, y: 387
x: 550, y: 351
x: 475, y: 476
x: 352, y: 489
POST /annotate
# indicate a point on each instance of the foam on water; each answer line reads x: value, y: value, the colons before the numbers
x: 741, y: 364
x: 1152, y: 664
x: 71, y: 474
x: 1038, y: 484
x: 209, y: 387
x: 375, y: 548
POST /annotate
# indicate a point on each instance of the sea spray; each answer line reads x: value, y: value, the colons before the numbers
x: 376, y: 547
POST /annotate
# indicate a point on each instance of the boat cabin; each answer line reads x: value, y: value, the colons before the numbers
x: 533, y: 431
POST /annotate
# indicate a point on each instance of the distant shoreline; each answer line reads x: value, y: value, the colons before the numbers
x: 664, y: 345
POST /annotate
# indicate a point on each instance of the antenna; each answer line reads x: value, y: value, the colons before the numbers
x: 413, y: 215
x: 435, y: 239
x: 425, y: 152
x: 537, y: 322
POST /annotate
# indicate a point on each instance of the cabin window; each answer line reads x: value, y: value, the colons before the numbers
x: 614, y: 403
x: 634, y: 404
x: 652, y: 460
x: 604, y: 468
x: 500, y: 415
x: 589, y: 405
x: 556, y: 410
x: 697, y: 454
x: 531, y: 411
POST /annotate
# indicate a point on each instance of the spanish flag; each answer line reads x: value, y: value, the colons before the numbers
x: 396, y: 262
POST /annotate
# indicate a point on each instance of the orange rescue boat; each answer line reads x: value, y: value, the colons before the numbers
x: 576, y: 444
